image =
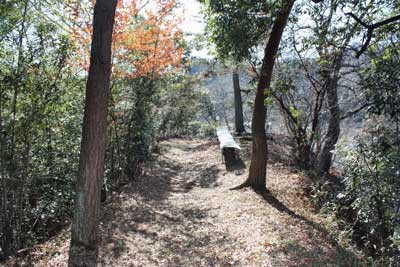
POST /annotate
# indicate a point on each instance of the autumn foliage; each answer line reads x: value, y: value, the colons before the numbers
x: 146, y: 39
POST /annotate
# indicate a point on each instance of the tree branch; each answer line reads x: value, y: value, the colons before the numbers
x: 354, y: 112
x: 370, y: 30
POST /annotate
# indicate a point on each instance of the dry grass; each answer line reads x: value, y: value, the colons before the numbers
x: 182, y: 213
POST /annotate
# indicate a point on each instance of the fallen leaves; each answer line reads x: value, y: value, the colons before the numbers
x: 182, y: 213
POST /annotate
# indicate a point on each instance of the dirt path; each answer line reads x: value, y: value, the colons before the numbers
x: 182, y: 213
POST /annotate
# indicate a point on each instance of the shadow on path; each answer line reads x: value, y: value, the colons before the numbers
x: 168, y: 176
x: 157, y: 212
x: 238, y: 166
x: 342, y: 254
x: 167, y: 218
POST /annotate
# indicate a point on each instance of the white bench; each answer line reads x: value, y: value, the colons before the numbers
x: 227, y: 145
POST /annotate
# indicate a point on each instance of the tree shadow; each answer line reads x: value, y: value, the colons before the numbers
x: 343, y: 254
x: 206, y: 178
x: 202, y: 147
x: 274, y: 202
x: 175, y: 234
x: 314, y: 255
x: 237, y: 166
x: 167, y: 176
x: 168, y: 230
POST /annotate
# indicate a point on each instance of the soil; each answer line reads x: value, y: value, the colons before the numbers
x: 182, y: 213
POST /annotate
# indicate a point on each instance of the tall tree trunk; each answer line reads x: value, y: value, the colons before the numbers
x: 325, y: 158
x: 258, y: 165
x: 83, y: 250
x: 239, y: 125
x: 331, y: 77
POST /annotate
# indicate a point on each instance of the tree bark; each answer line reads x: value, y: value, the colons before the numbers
x: 83, y: 249
x: 325, y: 158
x: 258, y: 165
x: 239, y: 125
x: 332, y: 76
x: 303, y: 155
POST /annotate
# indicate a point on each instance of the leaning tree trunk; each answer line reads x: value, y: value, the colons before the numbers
x: 258, y: 165
x: 239, y: 125
x: 83, y: 250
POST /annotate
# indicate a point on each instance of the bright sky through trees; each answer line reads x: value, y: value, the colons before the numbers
x: 193, y: 23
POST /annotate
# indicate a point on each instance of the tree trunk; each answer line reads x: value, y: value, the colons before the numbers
x: 258, y: 165
x: 325, y: 158
x: 239, y: 125
x: 83, y: 250
x: 303, y: 155
x: 332, y: 136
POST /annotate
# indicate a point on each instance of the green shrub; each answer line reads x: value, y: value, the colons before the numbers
x: 371, y: 197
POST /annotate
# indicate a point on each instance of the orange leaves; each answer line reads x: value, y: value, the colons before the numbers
x: 126, y: 10
x: 150, y: 45
x: 145, y: 43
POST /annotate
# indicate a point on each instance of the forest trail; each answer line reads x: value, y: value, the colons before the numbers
x: 182, y: 213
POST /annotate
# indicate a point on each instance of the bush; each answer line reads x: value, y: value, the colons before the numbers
x: 371, y: 196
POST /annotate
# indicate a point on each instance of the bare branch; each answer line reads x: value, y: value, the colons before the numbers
x: 370, y: 30
x: 354, y: 112
x: 358, y: 20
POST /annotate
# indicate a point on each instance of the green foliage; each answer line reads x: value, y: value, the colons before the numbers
x: 145, y: 109
x: 11, y: 16
x: 237, y: 27
x: 40, y: 107
x: 381, y: 81
x: 372, y: 189
x: 183, y: 106
x: 133, y: 127
x: 369, y: 201
x: 372, y: 169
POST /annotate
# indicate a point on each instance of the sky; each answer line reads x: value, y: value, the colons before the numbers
x: 193, y: 23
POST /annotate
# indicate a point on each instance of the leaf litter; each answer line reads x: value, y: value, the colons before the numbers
x: 182, y: 213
